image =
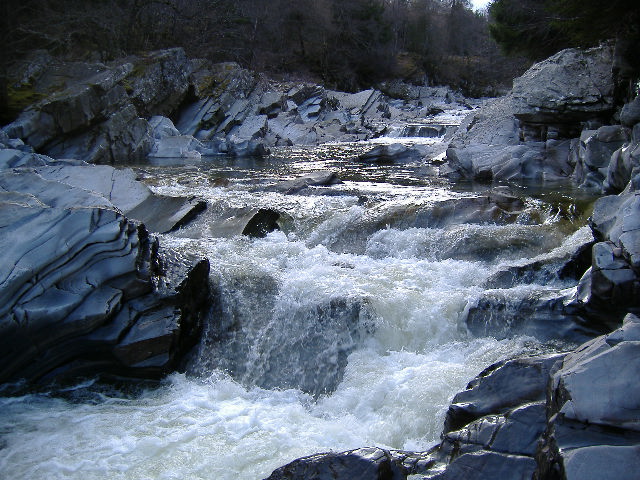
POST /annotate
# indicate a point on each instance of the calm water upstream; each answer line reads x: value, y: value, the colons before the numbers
x: 343, y: 329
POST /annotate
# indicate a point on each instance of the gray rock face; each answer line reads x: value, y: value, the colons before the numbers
x: 84, y: 290
x: 320, y: 178
x: 614, y: 280
x: 81, y: 301
x: 593, y: 429
x: 103, y: 186
x: 525, y: 135
x: 360, y: 464
x: 623, y: 167
x: 500, y: 388
x: 394, y: 152
x: 594, y: 155
x: 572, y: 85
x: 244, y: 113
x: 492, y: 429
x: 97, y: 115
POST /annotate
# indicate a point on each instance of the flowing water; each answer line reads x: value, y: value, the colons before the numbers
x: 342, y: 329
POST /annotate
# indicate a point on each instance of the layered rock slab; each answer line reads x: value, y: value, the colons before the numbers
x: 80, y: 297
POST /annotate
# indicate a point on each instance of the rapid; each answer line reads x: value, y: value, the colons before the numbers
x: 344, y: 328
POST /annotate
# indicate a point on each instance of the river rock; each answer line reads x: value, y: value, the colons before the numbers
x: 571, y: 86
x: 614, y: 284
x: 624, y: 165
x: 395, y: 152
x: 98, y: 112
x: 492, y: 428
x: 526, y: 134
x: 593, y: 429
x: 552, y: 315
x: 83, y: 300
x: 361, y: 464
x: 500, y: 388
x: 570, y: 260
x: 320, y: 178
x: 111, y: 187
x: 595, y: 154
x: 251, y: 222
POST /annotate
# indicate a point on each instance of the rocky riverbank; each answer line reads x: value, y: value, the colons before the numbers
x: 88, y: 289
x: 562, y: 416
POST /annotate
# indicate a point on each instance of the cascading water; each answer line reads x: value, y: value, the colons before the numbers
x: 342, y: 329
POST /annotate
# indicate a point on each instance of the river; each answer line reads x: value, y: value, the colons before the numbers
x: 343, y: 329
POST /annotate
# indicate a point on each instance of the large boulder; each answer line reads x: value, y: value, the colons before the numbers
x: 79, y: 296
x: 85, y: 290
x: 525, y: 135
x: 98, y: 113
x: 593, y: 400
x: 571, y: 86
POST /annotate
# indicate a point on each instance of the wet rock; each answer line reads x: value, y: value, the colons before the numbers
x: 305, y: 347
x: 114, y: 188
x: 500, y: 388
x: 486, y: 464
x: 550, y: 315
x: 498, y: 206
x: 395, y: 152
x: 252, y: 222
x: 320, y: 178
x: 561, y: 263
x: 593, y: 431
x: 362, y: 464
x: 516, y: 432
x: 83, y: 300
x: 492, y: 428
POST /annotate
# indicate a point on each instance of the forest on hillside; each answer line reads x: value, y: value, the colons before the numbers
x: 344, y: 44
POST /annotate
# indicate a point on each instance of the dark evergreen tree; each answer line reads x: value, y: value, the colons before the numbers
x: 526, y: 27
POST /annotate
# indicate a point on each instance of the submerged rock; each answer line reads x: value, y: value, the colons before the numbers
x: 395, y: 152
x: 363, y: 463
x: 251, y: 222
x: 320, y: 178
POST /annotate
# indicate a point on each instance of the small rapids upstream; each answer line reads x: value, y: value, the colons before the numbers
x: 344, y: 328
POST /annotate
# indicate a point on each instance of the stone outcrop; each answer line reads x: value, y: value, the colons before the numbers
x: 245, y: 113
x: 527, y: 134
x: 569, y: 416
x: 86, y: 290
x: 97, y: 112
x: 593, y: 400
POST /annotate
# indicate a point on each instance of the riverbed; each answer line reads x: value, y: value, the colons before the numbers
x: 341, y: 329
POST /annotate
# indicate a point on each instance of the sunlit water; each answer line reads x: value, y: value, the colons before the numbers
x: 357, y: 245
